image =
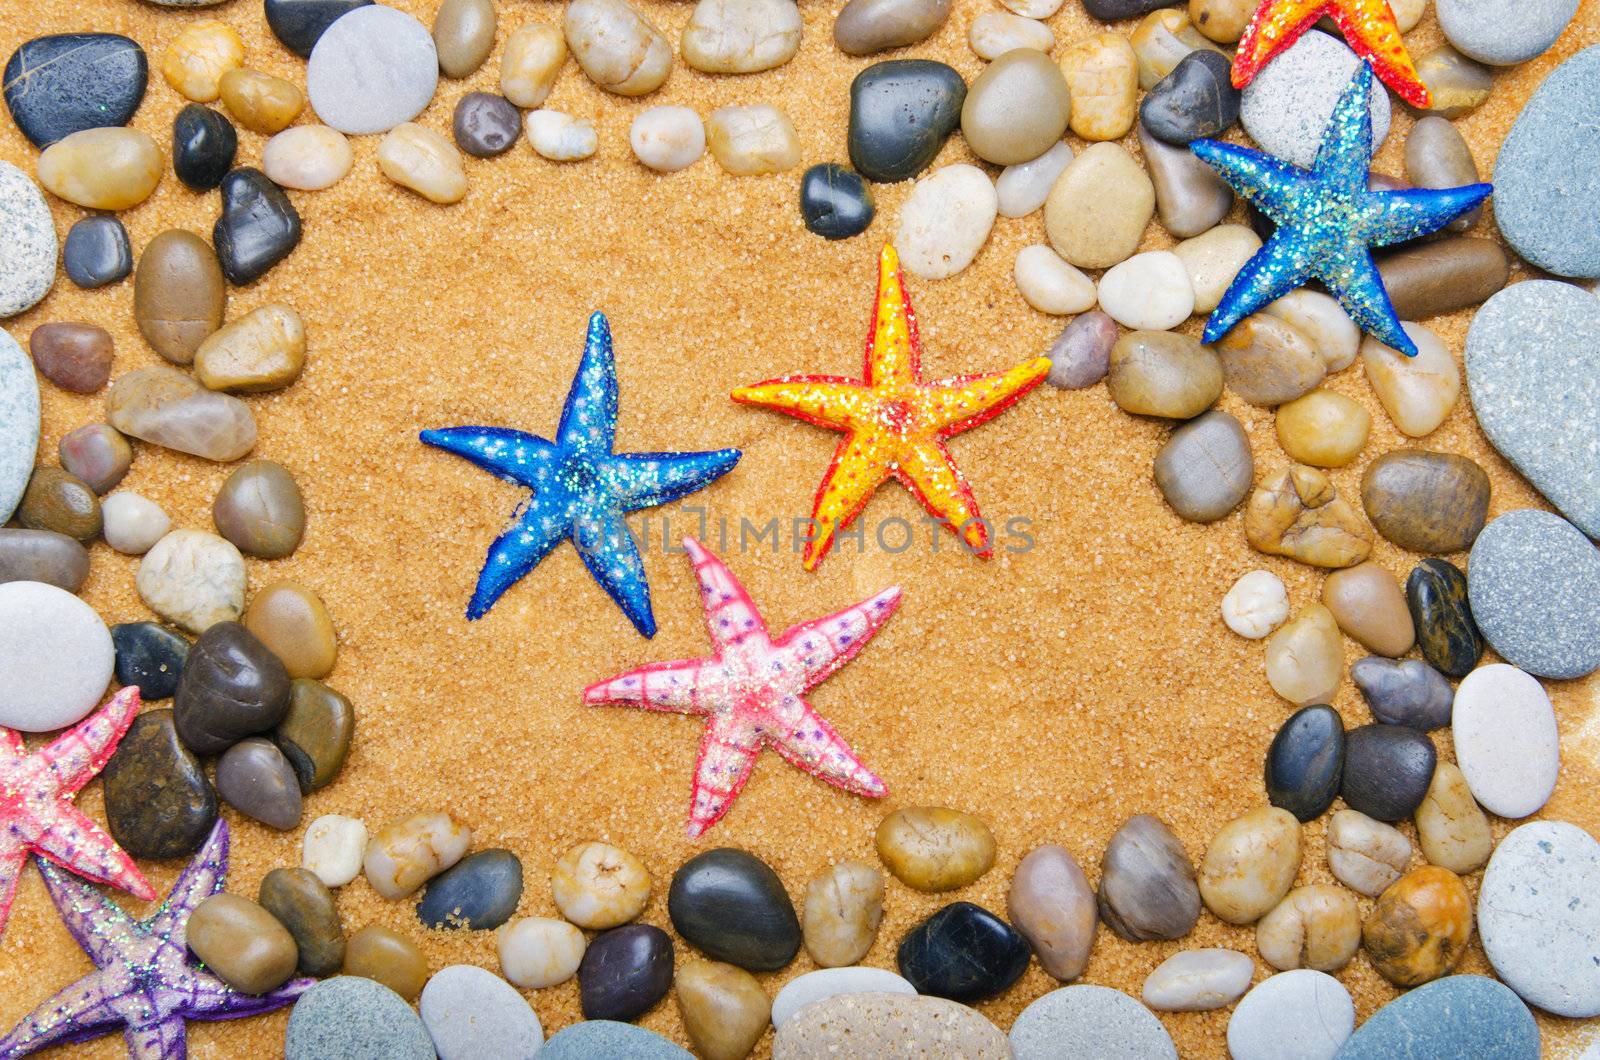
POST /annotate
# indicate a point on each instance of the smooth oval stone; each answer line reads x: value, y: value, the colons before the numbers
x: 589, y: 1039
x: 1266, y: 361
x: 1370, y: 607
x: 1023, y: 188
x: 1459, y: 1015
x: 667, y: 138
x: 315, y: 734
x: 64, y: 83
x: 353, y: 1016
x: 298, y: 24
x: 1444, y: 275
x: 1198, y: 980
x: 884, y: 1024
x: 1098, y: 236
x: 1149, y: 291
x: 820, y: 985
x: 195, y: 60
x: 964, y: 953
x: 133, y: 522
x: 866, y: 26
x: 1419, y: 928
x: 379, y: 954
x: 471, y: 1013
x: 752, y: 140
x: 371, y: 69
x: 835, y: 202
x: 1451, y: 829
x: 259, y: 226
x: 96, y: 453
x: 1205, y: 469
x: 417, y: 158
x: 254, y: 778
x: 293, y: 623
x: 1302, y: 1013
x: 901, y: 113
x: 303, y: 904
x: 73, y: 356
x: 1017, y: 109
x: 150, y: 656
x: 102, y: 169
x: 332, y: 848
x: 463, y: 35
x: 741, y: 36
x: 1505, y: 737
x: 178, y: 294
x: 242, y: 943
x: 1405, y: 692
x: 192, y: 579
x: 1050, y: 285
x: 598, y: 885
x: 1287, y: 106
x: 1190, y: 197
x: 1089, y: 1021
x: 1387, y: 769
x: 934, y: 848
x: 55, y: 657
x: 19, y: 422
x: 1306, y: 762
x: 44, y: 556
x: 231, y: 687
x: 625, y: 971
x: 28, y: 255
x: 1196, y: 99
x: 1163, y: 373
x: 1081, y: 354
x: 164, y: 406
x: 1250, y: 864
x: 732, y: 906
x: 96, y: 252
x: 485, y: 125
x: 725, y: 1011
x: 1426, y: 502
x: 619, y: 48
x: 260, y: 509
x: 55, y: 500
x: 261, y: 102
x: 263, y: 350
x: 1457, y: 85
x: 1147, y: 883
x: 1504, y: 34
x: 159, y: 803
x: 1535, y: 593
x: 993, y: 33
x: 1052, y: 906
x: 843, y: 908
x: 204, y: 142
x: 1213, y: 259
x: 1363, y: 854
x: 1436, y: 593
x: 479, y: 892
x: 537, y: 952
x: 560, y: 137
x: 1437, y: 156
x: 307, y: 157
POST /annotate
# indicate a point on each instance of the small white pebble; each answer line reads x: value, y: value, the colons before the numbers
x: 1024, y: 187
x: 1256, y: 605
x: 332, y: 848
x: 539, y: 951
x: 133, y: 523
x: 560, y: 137
x: 1050, y: 284
x: 668, y: 138
x: 994, y: 33
x: 1148, y: 292
x: 307, y: 157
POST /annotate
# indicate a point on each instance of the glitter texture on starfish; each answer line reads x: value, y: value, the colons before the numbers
x: 581, y: 489
x: 145, y: 981
x: 894, y: 423
x: 37, y: 814
x: 1368, y: 27
x: 752, y: 691
x: 1328, y: 221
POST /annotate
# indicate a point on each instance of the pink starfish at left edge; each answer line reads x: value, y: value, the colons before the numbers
x: 751, y: 692
x: 36, y: 810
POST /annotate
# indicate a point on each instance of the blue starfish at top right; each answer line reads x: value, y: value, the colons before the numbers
x: 1328, y: 221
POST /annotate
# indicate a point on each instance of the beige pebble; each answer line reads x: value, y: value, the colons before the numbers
x: 667, y: 138
x: 1102, y: 74
x: 1051, y: 904
x: 1317, y: 927
x: 1417, y: 392
x: 560, y: 137
x: 1148, y: 292
x: 198, y: 57
x: 1266, y: 361
x: 1322, y: 320
x: 1049, y: 284
x: 1407, y: 13
x: 1370, y: 607
x: 620, y: 49
x: 1299, y: 514
x: 260, y: 102
x: 599, y: 886
x: 1213, y: 259
x: 1099, y: 207
x: 1323, y: 428
x: 1305, y: 658
x: 1221, y: 20
x: 263, y: 350
x: 725, y: 1011
x: 843, y: 908
x: 406, y: 854
x: 933, y: 848
x: 241, y: 942
x: 1256, y: 605
x: 1451, y: 828
x: 538, y: 951
x: 531, y: 63
x: 307, y: 157
x: 332, y: 848
x: 1250, y: 864
x: 102, y: 169
x: 422, y: 160
x: 945, y: 221
x: 1017, y: 109
x: 294, y: 624
x: 741, y: 36
x: 1161, y: 40
x: 753, y: 139
x: 1365, y: 855
x: 463, y: 35
x: 994, y: 33
x: 1163, y: 373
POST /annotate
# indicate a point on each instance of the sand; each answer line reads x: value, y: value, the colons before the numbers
x: 1055, y: 691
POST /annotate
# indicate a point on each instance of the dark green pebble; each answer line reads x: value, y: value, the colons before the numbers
x: 901, y: 113
x: 303, y: 904
x: 315, y: 734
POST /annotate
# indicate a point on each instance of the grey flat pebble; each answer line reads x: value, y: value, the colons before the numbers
x: 351, y: 1018
x: 609, y: 1040
x: 28, y: 251
x: 371, y: 70
x: 1457, y: 1016
x: 1504, y: 32
x: 473, y: 1014
x: 1533, y: 580
x: 1089, y: 1021
x: 1302, y: 1014
x: 97, y: 251
x: 19, y: 423
x: 1286, y: 108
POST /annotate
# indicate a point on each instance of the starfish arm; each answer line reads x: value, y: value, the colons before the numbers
x: 664, y: 686
x: 12, y: 748
x: 1274, y: 271
x: 13, y: 855
x: 894, y: 350
x: 824, y: 400
x: 589, y: 418
x: 1361, y: 293
x: 210, y: 999
x: 76, y: 1013
x: 820, y: 647
x: 1398, y: 216
x: 512, y: 455
x: 203, y: 877
x: 1345, y: 154
x: 607, y: 548
x: 858, y: 467
x: 78, y: 754
x: 1370, y: 30
x: 1275, y: 26
x: 644, y: 480
x: 944, y: 491
x: 1258, y: 177
x: 963, y: 402
x: 76, y: 843
x: 728, y: 753
x: 807, y: 742
x: 731, y: 615
x: 162, y: 1039
x: 514, y: 553
x: 95, y: 922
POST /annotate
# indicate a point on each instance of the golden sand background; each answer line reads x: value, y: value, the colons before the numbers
x: 1054, y: 692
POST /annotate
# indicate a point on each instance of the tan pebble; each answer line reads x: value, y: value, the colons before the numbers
x: 307, y: 157
x: 1370, y: 607
x: 377, y: 953
x: 1213, y: 259
x: 538, y: 952
x: 294, y: 623
x: 178, y: 294
x: 994, y: 33
x: 1417, y: 392
x: 242, y: 943
x: 1407, y: 13
x: 198, y: 57
x: 1017, y: 109
x: 1266, y: 361
x: 933, y: 848
x: 406, y: 854
x: 1163, y: 373
x: 1451, y: 828
x: 166, y: 407
x: 1457, y: 85
x: 1315, y: 927
x: 1365, y: 855
x: 1323, y: 428
x: 1420, y: 927
x: 1322, y: 320
x: 1102, y: 74
x: 725, y: 1011
x: 1099, y: 206
x: 599, y: 886
x: 1032, y: 8
x: 263, y: 350
x: 531, y: 63
x: 463, y: 35
x: 1250, y: 864
x: 1298, y: 514
x: 843, y: 908
x: 1305, y: 658
x: 260, y: 102
x: 1161, y: 40
x: 1221, y: 20
x: 102, y: 169
x: 755, y: 139
x: 620, y: 49
x: 420, y: 159
x: 741, y: 36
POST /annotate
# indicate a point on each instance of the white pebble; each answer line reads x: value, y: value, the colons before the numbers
x: 1148, y: 292
x: 747, y: 141
x: 1322, y: 320
x: 994, y: 33
x: 1256, y: 605
x: 332, y: 848
x: 1024, y: 187
x: 1050, y: 284
x: 1506, y: 740
x: 668, y: 138
x: 133, y: 523
x: 307, y: 157
x: 1198, y: 980
x: 539, y: 951
x: 560, y: 137
x: 1033, y: 8
x: 945, y: 221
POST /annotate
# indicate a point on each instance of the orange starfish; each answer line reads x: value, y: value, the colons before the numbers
x: 895, y: 423
x: 1368, y: 27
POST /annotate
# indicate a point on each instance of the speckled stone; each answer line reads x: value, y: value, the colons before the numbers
x: 592, y: 1039
x: 1089, y: 1021
x: 43, y: 556
x: 158, y: 801
x: 64, y: 83
x: 962, y: 952
x: 1507, y: 32
x: 300, y: 23
x: 28, y: 252
x: 259, y: 226
x: 55, y: 500
x: 473, y: 1014
x: 1436, y: 593
x: 901, y: 113
x: 1287, y: 106
x: 372, y: 69
x: 885, y: 1024
x: 204, y: 142
x: 350, y: 1016
x: 824, y: 983
x: 19, y: 423
x: 731, y: 905
x: 1535, y: 593
x: 97, y: 252
x: 1457, y: 1016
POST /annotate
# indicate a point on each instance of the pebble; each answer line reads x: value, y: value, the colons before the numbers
x: 560, y: 137
x: 28, y: 257
x: 315, y: 734
x: 1300, y: 515
x: 1050, y: 285
x: 1533, y: 591
x: 1438, y: 157
x: 417, y: 158
x: 55, y: 500
x: 1256, y: 605
x: 1081, y: 354
x: 1451, y: 830
x: 1190, y: 197
x: 254, y: 778
x: 406, y: 854
x: 1123, y: 199
x: 1052, y: 906
x: 1419, y: 928
x: 198, y: 56
x: 826, y: 983
x: 1323, y: 428
x: 1363, y: 854
x: 1504, y: 731
x: 1205, y: 469
x: 901, y: 113
x: 1147, y: 292
x: 1441, y: 276
x: 1504, y: 34
x: 63, y: 83
x: 1221, y: 20
x: 1017, y: 108
x: 1250, y: 865
x: 1387, y: 770
x: 536, y: 951
x: 371, y: 69
x: 151, y: 656
x: 1436, y: 592
x: 485, y: 125
x: 1162, y: 373
x: 158, y: 801
x: 1318, y: 927
x: 164, y: 406
x: 599, y: 886
x: 97, y: 454
x: 667, y: 138
x: 531, y: 63
x: 259, y: 226
x: 19, y: 422
x: 732, y: 906
x: 463, y: 35
x: 620, y: 49
x: 56, y: 657
x: 1161, y: 41
x: 379, y: 954
x: 307, y: 157
x: 1370, y: 607
x: 945, y: 221
x: 1287, y: 106
x: 881, y: 1024
x: 479, y: 892
x: 835, y: 202
x: 624, y: 972
x: 725, y: 1011
x: 933, y: 848
x: 242, y: 943
x: 1322, y: 320
x: 204, y: 143
x: 752, y: 140
x: 1089, y: 1021
x: 1213, y: 259
x: 1023, y: 188
x: 1304, y: 1014
x: 1459, y: 1015
x: 742, y: 36
x: 1117, y: 10
x: 472, y: 1013
x: 263, y: 350
x: 1404, y: 692
x: 1033, y: 8
x: 100, y: 169
x: 133, y: 523
x: 1305, y: 762
x: 1426, y: 502
x: 43, y: 556
x: 1305, y: 657
x: 299, y: 24
x: 962, y: 952
x: 178, y: 294
x: 260, y: 510
x: 1266, y: 361
x: 332, y: 848
x: 1458, y: 86
x: 993, y: 33
x: 1102, y: 74
x: 1538, y: 918
x: 230, y: 688
x: 1198, y: 980
x: 1195, y: 100
x: 260, y: 102
x: 1147, y: 883
x: 303, y: 904
x: 352, y: 1016
x: 843, y: 909
x: 95, y: 253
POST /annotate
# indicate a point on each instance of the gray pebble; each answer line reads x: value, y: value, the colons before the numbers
x: 1504, y: 32
x: 1534, y: 584
x: 354, y: 1019
x: 19, y: 423
x: 28, y: 251
x: 1205, y: 469
x: 1089, y: 1021
x: 1286, y: 108
x: 371, y: 70
x: 1082, y: 352
x: 1405, y: 692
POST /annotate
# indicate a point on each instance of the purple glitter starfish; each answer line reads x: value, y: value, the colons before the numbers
x: 145, y: 979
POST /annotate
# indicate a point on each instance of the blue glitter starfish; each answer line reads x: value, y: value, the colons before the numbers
x: 1328, y: 221
x: 145, y: 980
x: 581, y: 489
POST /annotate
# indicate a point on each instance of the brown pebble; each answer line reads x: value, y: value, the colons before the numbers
x: 97, y: 453
x: 73, y: 356
x: 934, y: 848
x: 260, y: 102
x: 242, y: 943
x: 1163, y: 373
x: 379, y: 954
x: 1443, y: 276
x: 178, y: 295
x: 1299, y: 514
x: 1426, y: 502
x: 725, y: 1011
x: 1267, y: 361
x: 1420, y: 927
x: 305, y: 906
x: 292, y: 621
x: 260, y: 510
x: 1369, y: 605
x: 55, y: 500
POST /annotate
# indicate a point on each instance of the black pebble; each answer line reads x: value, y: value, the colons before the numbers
x: 478, y: 892
x: 1306, y: 762
x: 624, y: 972
x: 1387, y: 770
x: 258, y: 227
x: 97, y: 251
x: 1117, y: 10
x: 835, y: 202
x: 1436, y: 593
x: 232, y: 686
x: 158, y: 801
x: 298, y: 23
x: 204, y: 142
x: 1196, y: 99
x: 730, y: 904
x: 963, y: 952
x: 65, y: 83
x: 150, y: 656
x: 901, y: 113
x: 485, y: 125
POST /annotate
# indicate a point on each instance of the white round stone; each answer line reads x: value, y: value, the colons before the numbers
x: 945, y: 221
x: 133, y: 522
x: 332, y: 848
x: 1286, y: 108
x: 55, y: 657
x: 1303, y: 1015
x: 1507, y: 746
x: 1256, y: 605
x: 19, y: 423
x: 307, y: 157
x: 1050, y: 284
x: 193, y: 579
x: 471, y: 1014
x: 373, y: 69
x: 802, y: 990
x: 668, y: 138
x: 539, y: 951
x: 1148, y: 292
x: 560, y: 137
x: 1089, y: 1021
x: 1198, y: 980
x: 1023, y: 188
x: 28, y: 251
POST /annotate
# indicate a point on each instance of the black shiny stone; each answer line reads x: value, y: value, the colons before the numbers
x: 731, y: 905
x: 1117, y: 10
x: 1387, y: 770
x: 624, y: 972
x: 150, y: 656
x: 159, y: 803
x: 1196, y: 99
x: 1404, y: 692
x: 65, y: 83
x: 204, y: 142
x: 963, y: 952
x: 478, y: 892
x: 1305, y: 763
x: 485, y: 125
x: 835, y: 202
x: 97, y: 252
x: 901, y: 113
x: 1436, y: 593
x: 258, y: 227
x: 299, y: 23
x: 232, y: 686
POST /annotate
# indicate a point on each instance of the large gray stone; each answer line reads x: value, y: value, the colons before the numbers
x: 28, y: 251
x: 371, y: 70
x: 355, y: 1019
x: 1287, y: 106
x: 1504, y: 32
x: 1089, y: 1021
x: 19, y: 423
x: 1533, y: 581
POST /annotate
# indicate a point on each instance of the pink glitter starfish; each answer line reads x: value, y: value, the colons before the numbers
x: 36, y: 810
x: 751, y: 692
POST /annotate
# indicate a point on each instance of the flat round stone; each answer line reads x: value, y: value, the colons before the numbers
x: 97, y: 252
x: 802, y: 990
x: 1535, y: 593
x: 1287, y: 106
x: 1459, y: 1015
x: 1205, y: 468
x: 300, y: 23
x: 28, y: 252
x: 593, y: 1038
x: 1507, y: 746
x: 353, y: 1016
x: 471, y: 1013
x: 1302, y: 1013
x: 371, y: 70
x: 55, y: 657
x: 67, y: 82
x: 1089, y: 1021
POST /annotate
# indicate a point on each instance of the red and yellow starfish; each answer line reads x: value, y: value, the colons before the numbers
x: 894, y: 423
x: 1368, y: 27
